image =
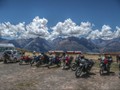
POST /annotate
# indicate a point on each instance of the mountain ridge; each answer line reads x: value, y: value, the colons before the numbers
x: 66, y: 44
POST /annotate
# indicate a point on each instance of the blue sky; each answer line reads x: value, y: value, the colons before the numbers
x: 99, y: 12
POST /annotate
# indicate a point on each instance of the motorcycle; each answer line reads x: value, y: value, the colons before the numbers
x: 104, y: 66
x: 53, y: 61
x: 67, y: 62
x: 25, y: 59
x: 35, y: 60
x: 84, y: 67
x: 42, y: 60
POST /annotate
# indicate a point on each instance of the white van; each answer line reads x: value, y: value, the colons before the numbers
x: 4, y: 47
x: 11, y: 56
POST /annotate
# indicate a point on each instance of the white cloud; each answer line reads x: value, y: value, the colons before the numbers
x: 11, y: 31
x: 94, y: 34
x: 69, y: 28
x: 105, y: 33
x: 117, y: 32
x: 37, y: 28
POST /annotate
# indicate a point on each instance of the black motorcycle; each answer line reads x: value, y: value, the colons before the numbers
x: 35, y: 60
x: 84, y: 67
x: 42, y: 61
x: 54, y: 61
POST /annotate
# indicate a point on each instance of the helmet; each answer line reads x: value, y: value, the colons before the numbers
x: 34, y: 52
x: 39, y: 54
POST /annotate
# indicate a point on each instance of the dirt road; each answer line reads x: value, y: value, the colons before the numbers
x: 24, y: 77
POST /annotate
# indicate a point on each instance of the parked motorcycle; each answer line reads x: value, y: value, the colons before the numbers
x: 42, y: 60
x: 104, y: 66
x: 35, y: 60
x: 84, y: 67
x: 25, y: 59
x: 53, y: 61
x: 67, y: 62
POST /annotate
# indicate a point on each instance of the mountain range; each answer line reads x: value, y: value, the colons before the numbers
x: 67, y: 44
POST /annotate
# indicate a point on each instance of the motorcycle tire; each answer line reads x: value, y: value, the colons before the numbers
x: 73, y: 67
x: 5, y: 61
x: 78, y: 72
x: 59, y: 64
x: 15, y: 60
x: 119, y: 74
x: 38, y: 64
x: 32, y: 62
x: 20, y: 63
x: 101, y: 71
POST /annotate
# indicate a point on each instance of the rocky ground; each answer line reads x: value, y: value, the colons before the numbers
x: 16, y: 77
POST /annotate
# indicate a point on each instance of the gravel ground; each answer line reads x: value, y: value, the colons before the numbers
x: 16, y: 77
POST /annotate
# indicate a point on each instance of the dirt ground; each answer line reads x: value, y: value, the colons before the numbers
x: 16, y: 77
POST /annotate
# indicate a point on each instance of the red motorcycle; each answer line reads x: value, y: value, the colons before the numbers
x: 104, y: 66
x: 67, y: 63
x: 25, y: 59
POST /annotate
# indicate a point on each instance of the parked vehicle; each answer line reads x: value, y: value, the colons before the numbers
x: 104, y: 66
x: 84, y: 67
x: 11, y: 56
x: 67, y: 62
x: 4, y: 47
x: 35, y: 60
x: 56, y: 60
x: 44, y: 59
x: 25, y: 59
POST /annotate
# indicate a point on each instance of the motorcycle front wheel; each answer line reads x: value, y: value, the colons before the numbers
x: 73, y: 66
x: 78, y: 72
x: 21, y: 61
x: 101, y: 71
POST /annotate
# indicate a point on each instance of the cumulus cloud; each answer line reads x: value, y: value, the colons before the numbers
x: 105, y: 33
x: 11, y: 31
x: 69, y: 28
x: 37, y: 28
x: 117, y: 32
x: 94, y: 34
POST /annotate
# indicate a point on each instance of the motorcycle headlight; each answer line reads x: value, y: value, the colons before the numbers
x: 81, y: 64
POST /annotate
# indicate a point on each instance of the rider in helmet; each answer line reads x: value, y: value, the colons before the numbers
x: 34, y: 53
